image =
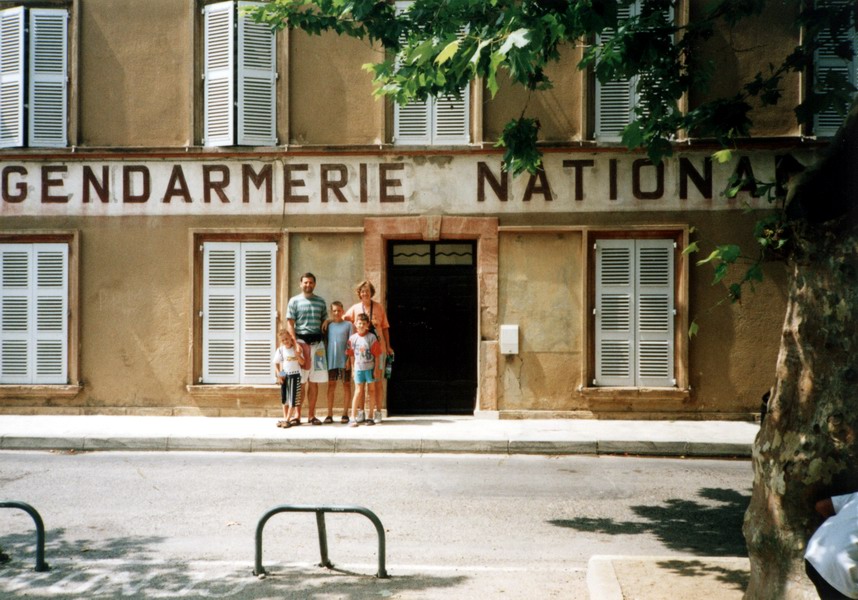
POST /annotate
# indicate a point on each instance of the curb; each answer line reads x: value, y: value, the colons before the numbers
x: 385, y: 445
x: 602, y: 582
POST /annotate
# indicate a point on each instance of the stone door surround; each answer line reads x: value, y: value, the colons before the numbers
x: 484, y: 230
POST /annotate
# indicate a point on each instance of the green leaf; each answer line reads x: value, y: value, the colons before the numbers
x: 421, y: 53
x: 735, y: 292
x: 730, y: 252
x: 691, y: 248
x: 633, y: 135
x: 478, y: 52
x: 491, y: 80
x: 722, y: 156
x: 720, y: 272
x: 448, y: 52
x: 716, y: 253
x: 693, y: 329
x: 755, y: 273
x: 516, y: 39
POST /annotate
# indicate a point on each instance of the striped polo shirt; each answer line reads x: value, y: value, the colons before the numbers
x: 308, y: 313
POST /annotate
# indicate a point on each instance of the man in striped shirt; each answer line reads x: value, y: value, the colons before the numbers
x: 305, y: 314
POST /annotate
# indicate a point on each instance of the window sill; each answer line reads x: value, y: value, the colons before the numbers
x: 231, y: 390
x: 621, y: 393
x: 41, y: 391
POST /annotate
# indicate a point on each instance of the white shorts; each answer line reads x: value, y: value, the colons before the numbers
x: 318, y: 365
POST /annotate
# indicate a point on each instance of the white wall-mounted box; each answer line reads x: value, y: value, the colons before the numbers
x: 509, y: 339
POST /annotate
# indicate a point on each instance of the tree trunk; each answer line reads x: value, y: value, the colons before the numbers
x: 807, y: 448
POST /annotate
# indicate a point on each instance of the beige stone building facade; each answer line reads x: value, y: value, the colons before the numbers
x: 169, y: 171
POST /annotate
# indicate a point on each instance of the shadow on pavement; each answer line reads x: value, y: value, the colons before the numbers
x: 130, y: 567
x: 735, y: 578
x: 709, y: 528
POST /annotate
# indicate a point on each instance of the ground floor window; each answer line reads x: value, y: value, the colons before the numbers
x: 34, y: 313
x: 635, y: 293
x: 238, y: 313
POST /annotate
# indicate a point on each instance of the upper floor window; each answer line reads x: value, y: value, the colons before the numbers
x: 435, y: 121
x: 239, y: 77
x: 34, y: 313
x: 828, y: 64
x: 33, y: 77
x: 616, y: 100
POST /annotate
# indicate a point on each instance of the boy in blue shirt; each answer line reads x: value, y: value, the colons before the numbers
x: 339, y: 332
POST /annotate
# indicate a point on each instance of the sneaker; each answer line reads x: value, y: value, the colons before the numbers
x: 377, y: 417
x: 360, y: 417
x: 353, y: 423
x: 368, y: 422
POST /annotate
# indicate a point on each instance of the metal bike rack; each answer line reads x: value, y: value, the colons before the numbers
x: 323, y: 541
x: 41, y: 565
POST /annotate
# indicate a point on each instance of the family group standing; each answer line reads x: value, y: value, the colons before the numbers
x: 316, y: 348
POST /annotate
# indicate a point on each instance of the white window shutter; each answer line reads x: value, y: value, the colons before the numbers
x: 218, y: 71
x: 451, y: 115
x: 257, y: 74
x: 443, y: 121
x: 615, y: 310
x: 614, y: 108
x: 655, y: 314
x: 50, y: 315
x: 827, y: 122
x: 412, y: 123
x: 615, y: 100
x: 34, y: 313
x: 258, y: 297
x: 12, y: 77
x: 221, y: 300
x: 239, y: 295
x: 16, y: 283
x: 451, y: 119
x: 48, y: 78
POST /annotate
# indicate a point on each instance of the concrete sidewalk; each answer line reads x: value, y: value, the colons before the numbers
x: 441, y: 434
x: 608, y: 577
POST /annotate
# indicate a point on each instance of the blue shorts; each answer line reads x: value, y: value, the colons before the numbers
x: 364, y: 376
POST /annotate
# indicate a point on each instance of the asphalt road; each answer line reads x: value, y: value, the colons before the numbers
x: 181, y: 525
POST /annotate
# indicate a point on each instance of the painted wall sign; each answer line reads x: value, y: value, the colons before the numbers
x: 466, y: 184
